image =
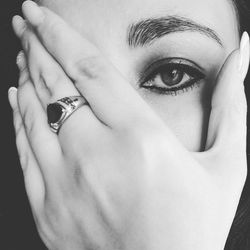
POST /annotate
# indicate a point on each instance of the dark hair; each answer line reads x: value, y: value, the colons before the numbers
x: 239, y: 236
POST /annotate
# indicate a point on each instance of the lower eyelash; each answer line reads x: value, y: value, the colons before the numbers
x: 176, y: 91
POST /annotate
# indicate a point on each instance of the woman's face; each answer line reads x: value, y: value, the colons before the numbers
x: 170, y: 51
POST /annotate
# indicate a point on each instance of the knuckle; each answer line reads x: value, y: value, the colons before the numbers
x: 29, y: 121
x: 53, y: 215
x: 89, y: 68
x: 24, y: 158
x: 17, y: 122
x: 52, y: 25
x: 50, y: 28
x: 24, y: 77
x: 50, y: 78
x: 21, y: 93
x: 21, y: 97
x: 41, y: 86
x: 26, y: 35
x: 27, y: 112
x: 44, y: 229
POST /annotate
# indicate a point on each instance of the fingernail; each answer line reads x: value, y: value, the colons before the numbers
x: 244, y: 54
x: 32, y: 12
x: 12, y: 97
x: 19, y: 25
x: 20, y: 60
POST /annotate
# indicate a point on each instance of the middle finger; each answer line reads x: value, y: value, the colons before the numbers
x: 44, y: 71
x: 51, y: 83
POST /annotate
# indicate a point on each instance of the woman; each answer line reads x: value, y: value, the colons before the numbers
x: 149, y: 150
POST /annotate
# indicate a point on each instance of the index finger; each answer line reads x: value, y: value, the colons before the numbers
x: 58, y: 36
x: 111, y: 97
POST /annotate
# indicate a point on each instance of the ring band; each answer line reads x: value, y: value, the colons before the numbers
x: 58, y: 112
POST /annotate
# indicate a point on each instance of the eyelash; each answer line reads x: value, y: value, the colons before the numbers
x: 186, y: 67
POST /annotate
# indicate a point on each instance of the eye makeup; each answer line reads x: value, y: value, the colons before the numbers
x: 171, y: 76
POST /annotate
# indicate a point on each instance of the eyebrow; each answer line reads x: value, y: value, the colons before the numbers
x: 147, y: 31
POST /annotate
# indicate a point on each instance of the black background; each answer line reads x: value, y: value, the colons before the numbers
x: 17, y: 229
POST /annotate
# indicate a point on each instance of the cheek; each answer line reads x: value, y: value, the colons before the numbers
x: 186, y: 114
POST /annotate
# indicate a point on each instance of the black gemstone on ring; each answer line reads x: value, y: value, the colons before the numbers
x: 54, y: 112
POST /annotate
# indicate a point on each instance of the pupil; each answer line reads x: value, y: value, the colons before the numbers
x: 172, y: 77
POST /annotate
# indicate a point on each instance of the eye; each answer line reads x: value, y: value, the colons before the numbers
x: 170, y: 76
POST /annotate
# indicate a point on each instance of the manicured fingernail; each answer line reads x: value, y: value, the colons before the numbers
x: 32, y: 12
x: 12, y: 97
x: 19, y: 25
x: 20, y: 60
x: 244, y: 54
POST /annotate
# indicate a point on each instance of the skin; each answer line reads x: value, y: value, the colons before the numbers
x: 107, y: 21
x: 117, y: 176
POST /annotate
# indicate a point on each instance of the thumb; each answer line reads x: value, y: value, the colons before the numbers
x: 227, y: 123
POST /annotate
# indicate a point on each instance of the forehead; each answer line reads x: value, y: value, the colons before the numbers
x: 105, y: 21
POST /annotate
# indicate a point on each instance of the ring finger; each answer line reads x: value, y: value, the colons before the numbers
x: 51, y: 83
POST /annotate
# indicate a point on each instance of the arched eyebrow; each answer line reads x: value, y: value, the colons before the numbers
x: 147, y: 31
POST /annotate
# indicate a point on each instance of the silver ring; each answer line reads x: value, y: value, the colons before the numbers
x: 58, y: 112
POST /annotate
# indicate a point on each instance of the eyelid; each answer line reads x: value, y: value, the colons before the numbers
x: 174, y: 60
